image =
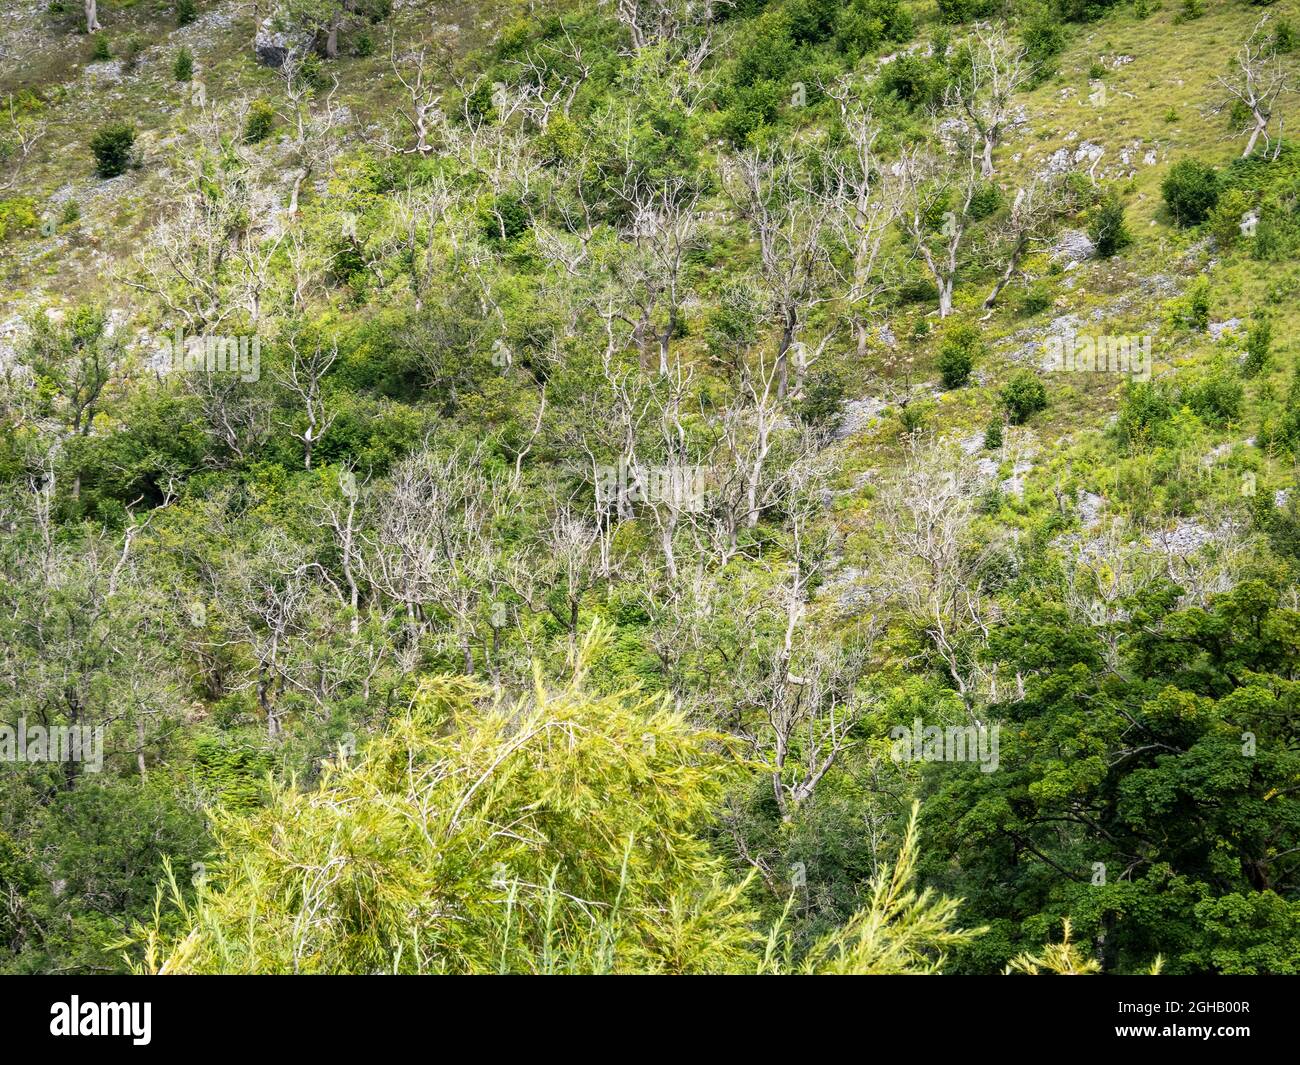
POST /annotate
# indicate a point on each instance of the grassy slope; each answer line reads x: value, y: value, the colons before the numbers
x: 1158, y: 101
x: 1153, y: 103
x: 83, y: 96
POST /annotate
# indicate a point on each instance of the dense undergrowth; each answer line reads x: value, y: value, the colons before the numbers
x: 643, y: 435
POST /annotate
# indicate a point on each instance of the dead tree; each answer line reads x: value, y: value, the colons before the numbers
x: 939, y: 188
x: 431, y: 549
x: 312, y: 143
x: 984, y: 94
x: 682, y: 28
x: 539, y: 92
x: 664, y: 228
x: 423, y: 98
x: 928, y: 562
x: 304, y: 378
x: 339, y: 515
x: 789, y: 221
x: 861, y: 206
x: 20, y: 139
x: 1257, y: 84
x: 1028, y: 224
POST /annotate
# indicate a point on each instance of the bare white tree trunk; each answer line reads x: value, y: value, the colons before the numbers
x: 1259, y: 81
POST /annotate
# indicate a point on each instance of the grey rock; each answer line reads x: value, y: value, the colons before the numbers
x: 274, y: 47
x: 1089, y: 509
x: 1074, y: 245
x: 1015, y: 484
x: 848, y: 588
x: 858, y: 414
x: 1218, y: 329
x: 1185, y: 538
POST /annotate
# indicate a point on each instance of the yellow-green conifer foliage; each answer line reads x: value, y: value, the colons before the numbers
x: 561, y: 833
x: 901, y: 932
x: 554, y: 834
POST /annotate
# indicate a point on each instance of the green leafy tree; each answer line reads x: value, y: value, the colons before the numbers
x: 111, y: 147
x: 1023, y: 396
x: 603, y: 869
x: 1190, y: 190
x: 958, y: 351
x: 1151, y: 804
x: 183, y: 67
x: 1107, y: 228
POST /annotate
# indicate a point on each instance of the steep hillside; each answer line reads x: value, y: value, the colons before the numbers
x: 807, y: 409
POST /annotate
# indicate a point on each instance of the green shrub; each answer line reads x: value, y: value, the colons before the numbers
x: 311, y: 71
x: 1215, y: 397
x: 112, y: 149
x: 260, y: 122
x: 811, y: 21
x: 1279, y: 426
x: 909, y: 78
x: 1107, y: 228
x: 186, y: 12
x: 1043, y: 35
x: 752, y: 108
x: 993, y: 435
x: 767, y: 52
x: 1190, y: 9
x: 1225, y: 219
x: 506, y: 219
x: 1034, y: 300
x: 1190, y: 190
x: 957, y: 354
x: 1284, y: 37
x: 864, y: 24
x: 1144, y: 413
x: 1192, y: 309
x: 913, y: 417
x: 985, y: 200
x: 956, y: 11
x: 561, y: 142
x: 99, y: 50
x: 1258, y: 342
x: 1023, y: 396
x: 822, y: 400
x: 1270, y: 239
x: 131, y: 55
x: 183, y: 68
x: 16, y: 215
x: 1238, y: 115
